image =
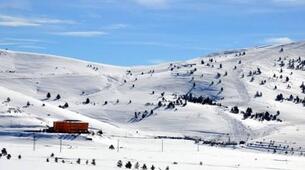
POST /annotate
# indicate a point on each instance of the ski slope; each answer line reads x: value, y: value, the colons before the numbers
x: 116, y: 93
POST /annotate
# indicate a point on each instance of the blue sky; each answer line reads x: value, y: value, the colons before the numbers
x: 134, y: 32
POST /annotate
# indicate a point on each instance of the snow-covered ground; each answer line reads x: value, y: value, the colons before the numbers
x: 145, y: 151
x: 116, y: 93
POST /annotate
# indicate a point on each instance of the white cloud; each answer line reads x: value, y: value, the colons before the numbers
x: 11, y: 21
x: 116, y: 26
x: 278, y: 40
x: 82, y: 33
x: 152, y: 3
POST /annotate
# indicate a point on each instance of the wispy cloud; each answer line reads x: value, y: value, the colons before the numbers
x: 26, y: 40
x: 153, y: 3
x: 278, y: 40
x: 82, y: 33
x: 12, y: 21
x: 115, y: 26
x: 24, y: 43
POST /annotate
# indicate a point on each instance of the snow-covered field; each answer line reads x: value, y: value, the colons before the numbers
x: 230, y: 78
x: 145, y: 151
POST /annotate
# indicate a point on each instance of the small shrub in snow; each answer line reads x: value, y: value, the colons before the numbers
x: 128, y: 165
x: 235, y: 110
x: 78, y: 161
x: 279, y: 97
x: 144, y: 167
x: 4, y: 152
x: 137, y: 165
x: 119, y: 164
x: 87, y: 101
x: 93, y: 162
x: 111, y: 147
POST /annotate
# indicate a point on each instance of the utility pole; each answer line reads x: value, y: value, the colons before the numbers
x: 198, y: 146
x: 60, y: 145
x: 34, y: 142
x: 118, y: 145
x: 162, y: 145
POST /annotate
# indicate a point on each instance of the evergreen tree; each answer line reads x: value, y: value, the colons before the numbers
x: 48, y: 95
x: 128, y: 165
x: 57, y: 97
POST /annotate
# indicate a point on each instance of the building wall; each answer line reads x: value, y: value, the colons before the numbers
x: 70, y: 127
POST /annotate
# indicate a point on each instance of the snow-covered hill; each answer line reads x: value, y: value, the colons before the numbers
x: 251, y: 97
x: 116, y: 93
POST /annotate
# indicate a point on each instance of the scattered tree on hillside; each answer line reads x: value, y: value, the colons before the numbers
x: 87, y: 101
x: 128, y: 165
x: 119, y: 164
x: 235, y: 110
x: 211, y: 83
x: 226, y: 73
x: 247, y: 113
x: 279, y: 97
x: 144, y: 167
x: 252, y: 79
x: 57, y: 97
x: 217, y: 75
x: 78, y: 161
x: 136, y: 165
x: 93, y: 162
x: 48, y: 95
x: 258, y: 94
x: 302, y: 87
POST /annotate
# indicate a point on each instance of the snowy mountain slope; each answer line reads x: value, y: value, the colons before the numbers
x: 116, y: 93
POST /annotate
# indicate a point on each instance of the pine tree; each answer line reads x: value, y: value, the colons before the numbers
x: 48, y: 95
x: 57, y: 97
